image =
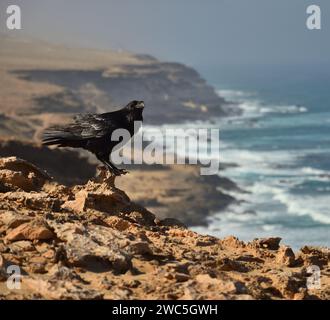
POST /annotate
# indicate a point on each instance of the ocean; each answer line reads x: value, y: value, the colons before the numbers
x: 281, y: 144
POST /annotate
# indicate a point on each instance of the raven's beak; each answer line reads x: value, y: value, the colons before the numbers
x: 140, y: 105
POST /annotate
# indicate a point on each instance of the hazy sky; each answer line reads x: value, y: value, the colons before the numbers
x: 196, y: 32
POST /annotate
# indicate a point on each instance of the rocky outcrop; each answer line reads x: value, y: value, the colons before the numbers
x: 91, y: 241
x: 51, y: 160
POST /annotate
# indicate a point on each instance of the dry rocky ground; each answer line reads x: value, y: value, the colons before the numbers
x: 90, y: 241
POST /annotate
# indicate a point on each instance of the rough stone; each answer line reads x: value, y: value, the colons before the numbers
x: 34, y: 230
x: 285, y: 256
x: 19, y: 174
x: 268, y: 243
x: 115, y: 249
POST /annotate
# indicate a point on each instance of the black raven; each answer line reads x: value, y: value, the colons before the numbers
x: 93, y: 132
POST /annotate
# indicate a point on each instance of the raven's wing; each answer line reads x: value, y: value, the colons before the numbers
x: 83, y: 128
x: 87, y: 126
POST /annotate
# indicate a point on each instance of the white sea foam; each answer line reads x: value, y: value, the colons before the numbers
x: 263, y: 194
x: 235, y: 94
x: 253, y: 107
x: 270, y: 189
x: 315, y: 207
x: 283, y: 109
x: 258, y: 162
x: 313, y: 171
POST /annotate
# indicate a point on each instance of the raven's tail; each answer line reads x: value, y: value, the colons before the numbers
x: 60, y: 137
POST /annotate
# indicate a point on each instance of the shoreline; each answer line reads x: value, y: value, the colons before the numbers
x: 275, y: 178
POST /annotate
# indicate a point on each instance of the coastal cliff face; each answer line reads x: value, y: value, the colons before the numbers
x: 42, y: 84
x: 90, y: 241
x: 172, y: 92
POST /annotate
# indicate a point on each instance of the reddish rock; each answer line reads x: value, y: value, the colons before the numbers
x: 19, y: 174
x: 272, y: 243
x: 12, y: 219
x: 117, y: 223
x: 35, y: 230
x: 285, y: 256
x: 171, y: 222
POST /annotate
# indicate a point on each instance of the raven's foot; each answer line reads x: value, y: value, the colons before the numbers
x: 119, y: 172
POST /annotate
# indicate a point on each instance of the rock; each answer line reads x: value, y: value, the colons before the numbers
x: 12, y: 219
x: 3, y: 274
x: 289, y: 285
x: 226, y: 264
x: 206, y: 287
x: 34, y: 201
x: 20, y: 246
x: 37, y: 265
x: 86, y: 247
x: 233, y: 242
x: 142, y: 248
x: 302, y: 294
x: 86, y: 253
x: 133, y: 283
x: 117, y: 223
x: 315, y: 256
x: 107, y: 201
x: 177, y: 267
x: 2, y: 261
x: 285, y: 256
x: 19, y: 174
x: 267, y: 243
x: 141, y: 217
x: 205, y: 242
x: 314, y: 250
x: 34, y: 230
x: 181, y: 277
x: 99, y: 194
x: 66, y: 231
x: 171, y: 222
x: 58, y: 272
x: 60, y: 290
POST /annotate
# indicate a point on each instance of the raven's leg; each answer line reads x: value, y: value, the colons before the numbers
x: 117, y: 171
x: 103, y: 159
x: 112, y: 168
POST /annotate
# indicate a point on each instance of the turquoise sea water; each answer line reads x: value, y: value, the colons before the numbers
x: 282, y: 147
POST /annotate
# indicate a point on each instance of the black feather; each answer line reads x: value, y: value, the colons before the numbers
x: 93, y: 131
